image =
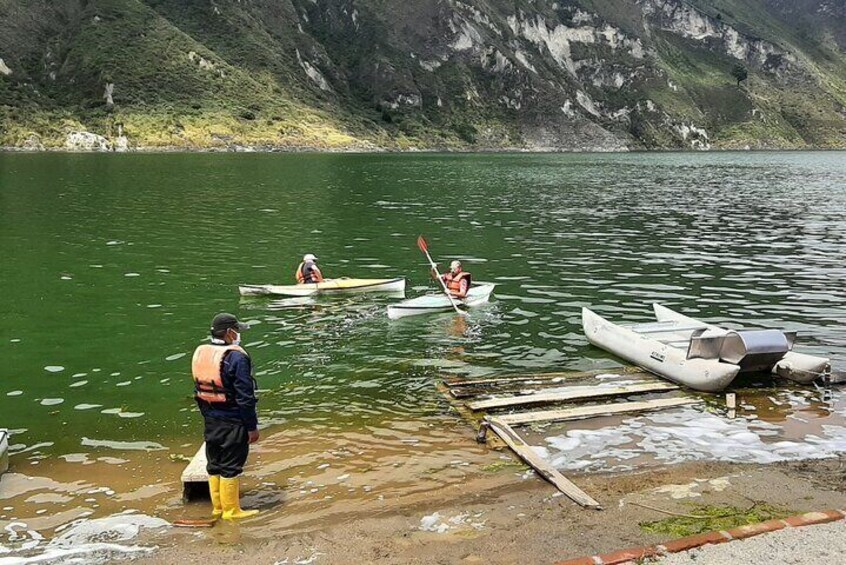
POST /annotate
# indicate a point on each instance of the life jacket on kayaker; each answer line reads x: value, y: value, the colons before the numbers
x: 457, y: 281
x: 308, y: 271
x: 207, y: 370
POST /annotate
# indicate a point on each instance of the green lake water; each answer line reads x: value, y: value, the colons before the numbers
x: 113, y: 266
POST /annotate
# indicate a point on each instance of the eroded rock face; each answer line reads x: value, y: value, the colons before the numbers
x: 86, y: 141
x: 685, y: 20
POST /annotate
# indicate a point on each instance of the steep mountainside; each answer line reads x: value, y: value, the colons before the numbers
x: 474, y: 74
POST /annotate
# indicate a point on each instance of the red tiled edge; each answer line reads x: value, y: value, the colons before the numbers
x: 690, y: 542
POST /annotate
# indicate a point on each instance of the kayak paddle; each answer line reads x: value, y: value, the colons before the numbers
x: 424, y: 247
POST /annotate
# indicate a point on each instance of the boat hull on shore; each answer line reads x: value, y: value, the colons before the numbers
x: 331, y: 286
x: 797, y: 367
x: 657, y: 357
x: 676, y: 347
x: 434, y: 303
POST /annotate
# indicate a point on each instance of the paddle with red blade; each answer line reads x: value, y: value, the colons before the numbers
x: 424, y: 247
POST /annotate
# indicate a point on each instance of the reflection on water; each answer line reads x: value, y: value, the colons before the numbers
x: 121, y: 261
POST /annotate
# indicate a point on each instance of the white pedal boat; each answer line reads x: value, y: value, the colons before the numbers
x: 698, y: 355
x: 431, y: 303
x: 330, y: 286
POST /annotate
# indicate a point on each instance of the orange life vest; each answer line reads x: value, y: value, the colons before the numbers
x: 207, y: 369
x: 301, y: 279
x: 453, y: 282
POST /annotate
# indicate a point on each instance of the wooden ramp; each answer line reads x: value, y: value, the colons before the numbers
x: 195, y: 479
x: 544, y: 469
x: 579, y: 394
x: 592, y: 411
x: 482, y: 402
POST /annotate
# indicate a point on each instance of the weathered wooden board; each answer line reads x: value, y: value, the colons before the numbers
x: 195, y: 479
x: 565, y: 396
x: 600, y: 410
x: 453, y: 381
x: 544, y: 469
x: 506, y: 379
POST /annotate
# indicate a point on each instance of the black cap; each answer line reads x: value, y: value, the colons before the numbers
x: 224, y: 321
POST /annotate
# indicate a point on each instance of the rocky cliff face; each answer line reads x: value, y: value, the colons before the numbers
x: 474, y: 74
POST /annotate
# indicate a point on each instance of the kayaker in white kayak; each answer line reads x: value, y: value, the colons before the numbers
x: 308, y: 271
x: 457, y: 281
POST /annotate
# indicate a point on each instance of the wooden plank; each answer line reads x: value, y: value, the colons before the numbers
x: 519, y: 387
x: 195, y: 479
x: 507, y: 379
x: 461, y: 393
x: 596, y: 392
x: 544, y: 469
x: 601, y: 410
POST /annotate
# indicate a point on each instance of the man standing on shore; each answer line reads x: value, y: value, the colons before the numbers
x: 226, y: 394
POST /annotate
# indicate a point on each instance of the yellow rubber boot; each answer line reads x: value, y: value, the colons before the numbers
x: 214, y: 491
x: 230, y: 496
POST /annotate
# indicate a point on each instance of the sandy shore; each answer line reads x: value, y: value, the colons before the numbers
x: 418, y: 491
x: 506, y: 517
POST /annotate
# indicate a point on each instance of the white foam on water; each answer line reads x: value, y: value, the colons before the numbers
x: 175, y: 356
x: 54, y: 368
x: 124, y: 445
x: 76, y: 458
x: 132, y: 274
x: 100, y: 540
x: 78, y: 384
x: 14, y: 393
x: 685, y: 435
x: 51, y: 401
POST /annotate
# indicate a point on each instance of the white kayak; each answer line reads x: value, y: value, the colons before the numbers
x: 4, y: 450
x: 329, y: 286
x: 699, y: 355
x: 431, y: 303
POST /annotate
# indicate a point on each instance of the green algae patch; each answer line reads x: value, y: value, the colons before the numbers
x: 707, y: 518
x: 503, y: 465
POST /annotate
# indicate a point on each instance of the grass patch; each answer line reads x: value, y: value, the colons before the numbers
x: 708, y: 518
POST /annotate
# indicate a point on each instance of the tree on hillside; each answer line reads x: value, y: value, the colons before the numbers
x: 740, y: 73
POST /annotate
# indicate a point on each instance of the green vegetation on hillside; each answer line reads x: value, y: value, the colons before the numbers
x: 366, y: 74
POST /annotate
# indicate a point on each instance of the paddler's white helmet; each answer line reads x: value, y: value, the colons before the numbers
x: 455, y: 265
x: 309, y: 257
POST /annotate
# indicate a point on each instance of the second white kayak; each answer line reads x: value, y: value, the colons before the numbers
x: 432, y: 303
